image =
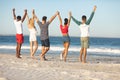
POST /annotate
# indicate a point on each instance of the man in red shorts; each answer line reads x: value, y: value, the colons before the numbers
x: 19, y: 31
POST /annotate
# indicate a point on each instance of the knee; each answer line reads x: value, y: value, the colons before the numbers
x: 82, y: 48
x: 66, y: 49
x: 47, y: 49
x: 36, y: 46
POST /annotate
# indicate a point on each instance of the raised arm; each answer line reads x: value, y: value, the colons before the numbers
x: 75, y: 20
x: 34, y: 16
x: 91, y: 16
x: 14, y: 15
x: 27, y: 18
x: 25, y: 13
x: 60, y: 19
x: 53, y: 17
x: 69, y: 19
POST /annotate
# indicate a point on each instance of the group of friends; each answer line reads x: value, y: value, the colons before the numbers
x: 44, y: 33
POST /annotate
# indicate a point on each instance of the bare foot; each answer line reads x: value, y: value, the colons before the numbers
x: 42, y: 58
x: 33, y: 57
x: 19, y: 57
x: 84, y: 62
x: 64, y: 59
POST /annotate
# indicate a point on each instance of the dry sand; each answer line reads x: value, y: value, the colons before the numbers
x: 26, y: 68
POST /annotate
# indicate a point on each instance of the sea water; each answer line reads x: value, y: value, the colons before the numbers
x: 98, y: 46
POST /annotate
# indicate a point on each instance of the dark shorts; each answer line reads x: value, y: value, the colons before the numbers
x: 19, y: 38
x: 45, y: 43
x: 66, y: 39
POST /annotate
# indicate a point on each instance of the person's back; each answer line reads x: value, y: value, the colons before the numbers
x: 84, y: 29
x: 31, y: 23
x: 19, y: 31
x: 44, y: 34
x: 19, y: 27
x: 32, y: 37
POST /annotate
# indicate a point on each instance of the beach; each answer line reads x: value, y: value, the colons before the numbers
x: 97, y: 68
x: 103, y: 60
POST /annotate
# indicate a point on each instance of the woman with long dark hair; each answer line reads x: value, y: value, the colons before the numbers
x: 66, y: 39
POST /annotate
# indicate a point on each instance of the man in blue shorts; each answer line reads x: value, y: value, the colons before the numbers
x: 44, y: 34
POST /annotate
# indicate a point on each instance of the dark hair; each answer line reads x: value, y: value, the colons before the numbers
x: 84, y: 17
x: 18, y: 17
x: 65, y: 21
x: 44, y: 18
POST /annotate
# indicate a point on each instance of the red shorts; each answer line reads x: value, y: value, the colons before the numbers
x: 19, y: 38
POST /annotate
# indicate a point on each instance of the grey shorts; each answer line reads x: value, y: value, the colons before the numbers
x: 66, y: 39
x: 84, y: 42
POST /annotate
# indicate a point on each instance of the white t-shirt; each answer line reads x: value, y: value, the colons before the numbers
x: 84, y: 29
x: 19, y: 27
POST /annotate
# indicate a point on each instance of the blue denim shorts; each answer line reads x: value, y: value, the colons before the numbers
x: 66, y: 39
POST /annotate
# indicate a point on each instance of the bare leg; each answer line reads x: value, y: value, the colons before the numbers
x: 63, y: 52
x: 18, y: 49
x: 44, y: 51
x: 66, y: 50
x: 81, y: 53
x: 31, y: 48
x: 85, y: 54
x: 35, y: 47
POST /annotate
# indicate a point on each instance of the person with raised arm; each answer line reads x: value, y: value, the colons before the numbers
x: 32, y: 37
x: 84, y: 29
x: 19, y: 31
x: 66, y: 39
x: 44, y: 34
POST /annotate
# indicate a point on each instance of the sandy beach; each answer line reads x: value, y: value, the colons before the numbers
x: 26, y: 68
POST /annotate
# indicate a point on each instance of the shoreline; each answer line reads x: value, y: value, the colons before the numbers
x: 26, y: 68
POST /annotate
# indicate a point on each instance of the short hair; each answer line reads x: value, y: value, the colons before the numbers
x: 44, y: 18
x: 65, y: 21
x: 84, y: 17
x: 18, y: 17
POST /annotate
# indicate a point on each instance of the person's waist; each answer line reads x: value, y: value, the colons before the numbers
x: 44, y: 37
x: 65, y: 34
x: 18, y: 34
x: 84, y: 34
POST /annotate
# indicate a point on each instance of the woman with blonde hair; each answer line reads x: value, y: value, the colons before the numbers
x: 32, y: 37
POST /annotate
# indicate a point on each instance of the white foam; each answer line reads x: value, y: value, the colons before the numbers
x: 75, y: 49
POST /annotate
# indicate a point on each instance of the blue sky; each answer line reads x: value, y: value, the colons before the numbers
x: 106, y: 22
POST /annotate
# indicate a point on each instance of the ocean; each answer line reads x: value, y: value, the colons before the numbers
x: 98, y: 46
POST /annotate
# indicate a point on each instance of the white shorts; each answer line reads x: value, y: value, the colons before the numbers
x: 32, y: 35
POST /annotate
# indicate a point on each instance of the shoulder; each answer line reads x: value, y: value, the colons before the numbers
x: 15, y: 20
x: 61, y: 25
x: 39, y: 22
x: 20, y: 22
x: 47, y: 22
